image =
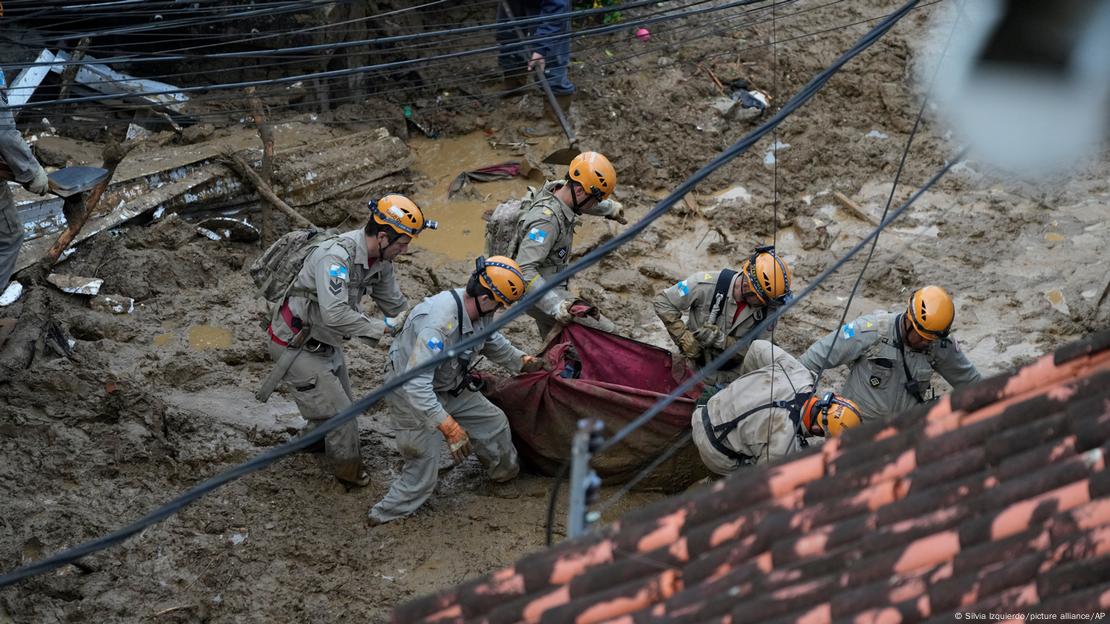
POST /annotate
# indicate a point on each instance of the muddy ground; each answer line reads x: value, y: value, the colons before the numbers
x: 155, y: 401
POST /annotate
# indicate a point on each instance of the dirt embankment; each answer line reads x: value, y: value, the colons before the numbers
x: 155, y: 401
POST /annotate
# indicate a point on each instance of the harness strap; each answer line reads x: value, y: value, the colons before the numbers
x: 720, y: 295
x: 911, y: 384
x: 292, y: 322
x: 717, y: 434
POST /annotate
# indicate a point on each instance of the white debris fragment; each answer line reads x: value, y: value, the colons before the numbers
x: 11, y: 294
x: 76, y: 284
x: 69, y: 251
x: 237, y: 538
x: 209, y: 234
x: 875, y: 134
x: 736, y: 193
x: 116, y: 304
x: 158, y: 213
x: 769, y: 157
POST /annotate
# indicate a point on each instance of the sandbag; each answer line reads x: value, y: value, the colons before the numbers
x: 601, y: 375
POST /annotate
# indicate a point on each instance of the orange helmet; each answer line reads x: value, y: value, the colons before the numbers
x: 931, y: 312
x: 502, y: 277
x: 401, y: 214
x: 768, y: 276
x: 595, y: 173
x: 829, y: 415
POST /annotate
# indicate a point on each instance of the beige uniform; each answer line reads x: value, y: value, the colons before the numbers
x: 877, y: 378
x: 542, y: 246
x: 433, y: 327
x: 337, y: 273
x: 694, y: 297
x: 768, y: 375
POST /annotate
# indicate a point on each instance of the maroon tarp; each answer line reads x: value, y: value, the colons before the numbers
x: 620, y: 379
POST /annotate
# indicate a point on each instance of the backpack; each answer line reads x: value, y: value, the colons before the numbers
x: 275, y: 271
x: 501, y: 225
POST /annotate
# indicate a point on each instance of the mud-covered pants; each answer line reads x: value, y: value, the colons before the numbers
x: 321, y: 389
x: 11, y: 235
x: 420, y: 447
x: 514, y: 54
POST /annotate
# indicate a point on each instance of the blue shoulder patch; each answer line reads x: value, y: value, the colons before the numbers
x: 338, y: 271
x: 683, y: 288
x: 536, y: 234
x: 435, y: 345
x: 849, y: 330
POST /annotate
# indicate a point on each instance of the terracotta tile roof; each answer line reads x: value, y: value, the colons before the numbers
x: 994, y: 499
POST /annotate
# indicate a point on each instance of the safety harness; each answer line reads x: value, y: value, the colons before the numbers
x: 718, y: 434
x: 471, y: 381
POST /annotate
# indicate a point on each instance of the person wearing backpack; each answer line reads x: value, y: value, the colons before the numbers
x: 315, y: 281
x: 721, y: 307
x: 772, y: 410
x: 444, y: 404
x: 545, y: 231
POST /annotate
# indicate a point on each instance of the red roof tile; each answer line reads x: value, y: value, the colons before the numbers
x: 994, y: 499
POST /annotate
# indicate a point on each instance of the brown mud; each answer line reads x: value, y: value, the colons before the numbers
x: 153, y: 402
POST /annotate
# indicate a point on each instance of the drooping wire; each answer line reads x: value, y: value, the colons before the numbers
x: 775, y: 215
x: 270, y: 456
x: 890, y: 196
x: 610, y: 502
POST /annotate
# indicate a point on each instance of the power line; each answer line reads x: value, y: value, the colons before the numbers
x: 593, y: 257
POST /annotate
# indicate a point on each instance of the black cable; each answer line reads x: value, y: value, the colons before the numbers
x: 551, y: 501
x: 593, y: 257
x: 682, y: 441
x: 889, y: 200
x: 367, y: 68
x: 385, y: 40
x: 446, y: 102
x: 817, y: 378
x: 464, y: 80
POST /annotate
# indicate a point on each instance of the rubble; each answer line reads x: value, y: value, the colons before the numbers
x: 75, y: 284
x: 115, y: 304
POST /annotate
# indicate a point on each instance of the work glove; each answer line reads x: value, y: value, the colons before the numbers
x: 394, y: 324
x: 571, y: 309
x: 708, y: 335
x: 614, y: 210
x: 530, y: 363
x: 689, y: 345
x: 40, y: 184
x: 457, y: 440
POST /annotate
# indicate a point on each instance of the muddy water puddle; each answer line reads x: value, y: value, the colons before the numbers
x: 198, y: 337
x: 461, y: 233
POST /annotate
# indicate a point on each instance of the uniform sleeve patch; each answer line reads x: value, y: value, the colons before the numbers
x: 547, y: 212
x: 435, y: 345
x: 562, y: 253
x: 536, y: 234
x: 683, y: 288
x: 707, y: 276
x: 338, y: 271
x: 849, y: 331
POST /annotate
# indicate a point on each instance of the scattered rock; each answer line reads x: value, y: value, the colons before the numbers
x: 811, y: 233
x: 197, y: 133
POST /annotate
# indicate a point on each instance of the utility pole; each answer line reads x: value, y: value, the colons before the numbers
x: 584, y: 482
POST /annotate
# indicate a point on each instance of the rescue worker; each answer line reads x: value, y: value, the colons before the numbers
x: 769, y: 412
x: 545, y: 231
x: 891, y: 357
x: 722, y: 307
x: 26, y: 171
x: 443, y: 405
x: 518, y: 57
x: 321, y: 312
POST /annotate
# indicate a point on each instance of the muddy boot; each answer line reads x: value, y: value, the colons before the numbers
x: 564, y: 102
x: 352, y: 475
x: 513, y: 84
x: 502, y: 489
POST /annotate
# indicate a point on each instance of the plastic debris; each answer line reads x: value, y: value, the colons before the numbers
x: 76, y: 284
x: 11, y: 294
